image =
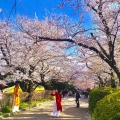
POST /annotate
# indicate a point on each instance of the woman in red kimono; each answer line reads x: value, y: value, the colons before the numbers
x: 57, y: 104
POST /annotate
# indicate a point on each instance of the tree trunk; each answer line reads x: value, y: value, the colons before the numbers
x: 113, y: 85
x: 116, y: 70
x: 43, y: 83
x: 28, y: 99
x: 27, y: 86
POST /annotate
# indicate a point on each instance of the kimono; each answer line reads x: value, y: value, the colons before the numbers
x: 16, y: 100
x: 57, y: 104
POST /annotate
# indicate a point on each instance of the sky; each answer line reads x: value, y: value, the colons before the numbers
x: 31, y: 7
x: 35, y: 8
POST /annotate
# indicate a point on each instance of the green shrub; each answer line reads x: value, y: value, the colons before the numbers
x: 108, y: 108
x: 39, y: 88
x: 24, y: 105
x: 6, y: 109
x: 1, y: 113
x: 96, y: 95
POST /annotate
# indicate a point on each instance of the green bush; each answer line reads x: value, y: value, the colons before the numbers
x: 6, y: 109
x: 24, y: 105
x: 108, y: 108
x: 97, y: 94
x: 39, y: 88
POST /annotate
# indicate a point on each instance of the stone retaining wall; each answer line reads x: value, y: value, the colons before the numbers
x: 25, y: 97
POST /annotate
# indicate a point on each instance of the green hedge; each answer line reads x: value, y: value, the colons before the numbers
x: 97, y: 94
x: 108, y: 108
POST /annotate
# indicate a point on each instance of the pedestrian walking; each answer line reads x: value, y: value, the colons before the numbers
x: 77, y: 96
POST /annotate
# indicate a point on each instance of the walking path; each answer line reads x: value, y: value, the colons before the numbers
x: 43, y: 112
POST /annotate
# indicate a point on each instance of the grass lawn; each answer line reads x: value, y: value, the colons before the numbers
x: 11, y: 89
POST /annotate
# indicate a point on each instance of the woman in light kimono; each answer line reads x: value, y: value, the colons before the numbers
x: 16, y: 99
x: 57, y: 103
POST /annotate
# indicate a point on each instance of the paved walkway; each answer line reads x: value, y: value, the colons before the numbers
x: 43, y: 112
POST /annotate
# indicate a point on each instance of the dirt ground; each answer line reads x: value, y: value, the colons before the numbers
x: 43, y: 112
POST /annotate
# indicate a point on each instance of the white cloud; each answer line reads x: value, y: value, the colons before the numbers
x: 0, y: 9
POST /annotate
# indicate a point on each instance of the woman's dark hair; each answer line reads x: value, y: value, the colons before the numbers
x: 17, y: 82
x: 59, y: 90
x: 1, y: 86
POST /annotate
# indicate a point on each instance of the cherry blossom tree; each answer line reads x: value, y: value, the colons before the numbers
x: 101, y: 38
x: 29, y: 63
